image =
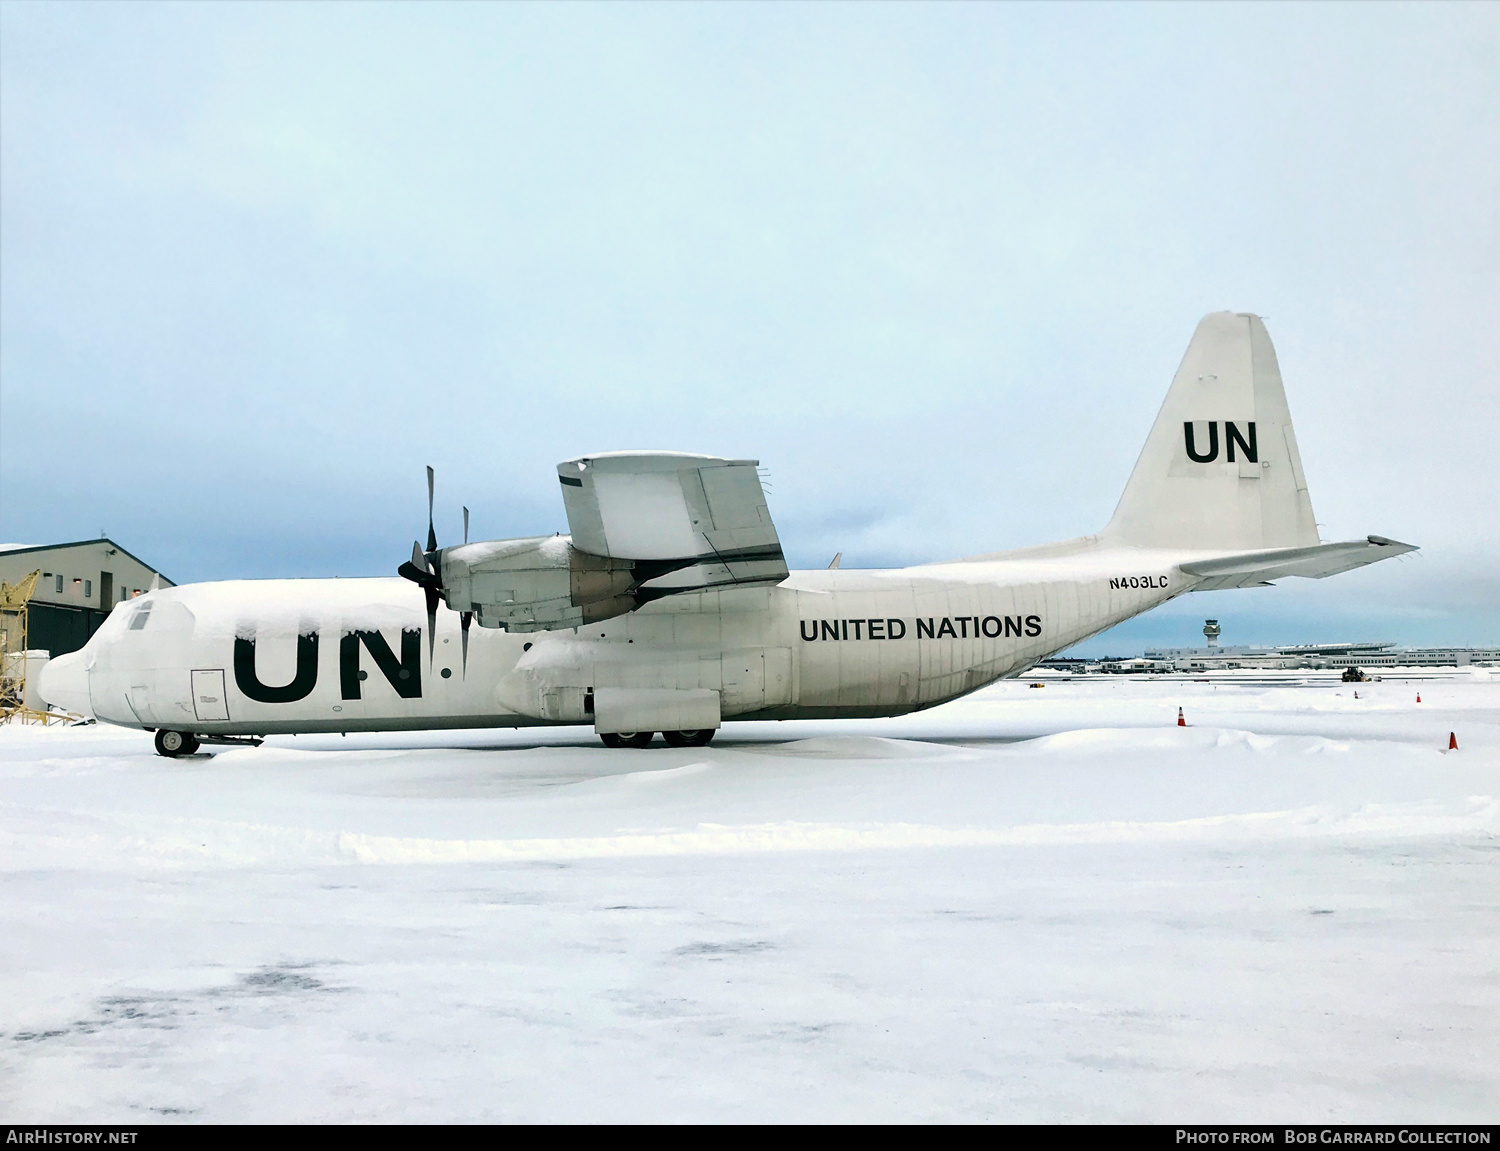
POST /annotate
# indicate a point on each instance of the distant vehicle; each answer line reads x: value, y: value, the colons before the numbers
x: 669, y: 606
x: 1354, y: 675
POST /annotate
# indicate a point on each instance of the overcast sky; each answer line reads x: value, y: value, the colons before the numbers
x: 933, y: 265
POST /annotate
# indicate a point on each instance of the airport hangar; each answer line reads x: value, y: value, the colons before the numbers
x: 80, y: 584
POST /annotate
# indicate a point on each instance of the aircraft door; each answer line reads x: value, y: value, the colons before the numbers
x: 778, y: 676
x: 139, y: 698
x: 209, y: 699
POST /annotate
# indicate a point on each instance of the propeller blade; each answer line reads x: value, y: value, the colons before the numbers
x: 466, y: 525
x: 432, y: 602
x: 424, y: 569
x: 431, y: 531
x: 464, y: 619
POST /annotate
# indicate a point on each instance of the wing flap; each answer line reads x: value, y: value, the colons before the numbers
x: 703, y: 516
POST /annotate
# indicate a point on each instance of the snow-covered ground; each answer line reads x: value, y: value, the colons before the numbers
x: 1032, y: 904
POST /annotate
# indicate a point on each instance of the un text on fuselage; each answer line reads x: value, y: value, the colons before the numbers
x: 404, y: 674
x: 931, y: 627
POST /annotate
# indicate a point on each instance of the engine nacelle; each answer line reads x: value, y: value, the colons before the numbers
x: 650, y: 524
x: 535, y: 584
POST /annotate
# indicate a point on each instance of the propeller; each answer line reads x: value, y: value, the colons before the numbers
x: 425, y: 570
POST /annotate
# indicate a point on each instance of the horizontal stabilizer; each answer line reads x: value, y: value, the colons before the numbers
x: 1252, y: 569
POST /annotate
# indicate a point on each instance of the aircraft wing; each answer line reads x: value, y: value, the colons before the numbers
x: 1252, y: 569
x: 701, y: 520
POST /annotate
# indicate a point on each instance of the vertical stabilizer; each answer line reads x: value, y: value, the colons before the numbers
x: 1220, y: 469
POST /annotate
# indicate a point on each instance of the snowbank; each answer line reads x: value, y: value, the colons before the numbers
x: 1026, y: 905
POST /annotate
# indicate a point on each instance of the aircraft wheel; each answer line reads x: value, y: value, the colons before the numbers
x: 174, y: 743
x: 688, y: 738
x: 626, y: 738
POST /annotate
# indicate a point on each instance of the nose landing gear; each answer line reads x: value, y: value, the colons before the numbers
x: 175, y: 743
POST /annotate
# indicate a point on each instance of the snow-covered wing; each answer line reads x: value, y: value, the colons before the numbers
x: 703, y: 518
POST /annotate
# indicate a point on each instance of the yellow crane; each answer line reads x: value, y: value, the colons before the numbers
x: 15, y: 599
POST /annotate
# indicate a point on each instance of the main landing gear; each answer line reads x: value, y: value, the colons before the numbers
x: 688, y: 738
x: 643, y: 738
x: 174, y: 743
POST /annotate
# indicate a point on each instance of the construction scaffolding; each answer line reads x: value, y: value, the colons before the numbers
x: 19, y: 702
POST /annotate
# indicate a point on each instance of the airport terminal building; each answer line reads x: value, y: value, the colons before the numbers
x: 1296, y: 657
x: 80, y: 584
x: 1315, y: 656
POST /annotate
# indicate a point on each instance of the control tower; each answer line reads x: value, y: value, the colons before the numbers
x: 1211, y: 632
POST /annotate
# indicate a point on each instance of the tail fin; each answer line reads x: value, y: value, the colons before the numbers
x: 1220, y: 469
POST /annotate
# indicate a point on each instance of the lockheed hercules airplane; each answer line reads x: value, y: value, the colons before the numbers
x: 669, y: 607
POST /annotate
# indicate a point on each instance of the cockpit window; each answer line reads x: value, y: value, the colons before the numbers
x: 142, y: 614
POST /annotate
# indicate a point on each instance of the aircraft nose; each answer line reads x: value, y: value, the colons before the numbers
x: 65, y: 684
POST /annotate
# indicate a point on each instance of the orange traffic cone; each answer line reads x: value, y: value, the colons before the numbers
x: 1452, y: 742
x: 1356, y: 695
x: 1419, y: 697
x: 1180, y: 721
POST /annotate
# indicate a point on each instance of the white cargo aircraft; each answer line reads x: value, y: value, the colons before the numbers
x: 669, y: 606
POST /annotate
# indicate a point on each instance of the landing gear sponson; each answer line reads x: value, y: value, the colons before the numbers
x: 643, y: 738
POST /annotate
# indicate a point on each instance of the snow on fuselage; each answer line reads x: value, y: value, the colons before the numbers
x: 281, y: 656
